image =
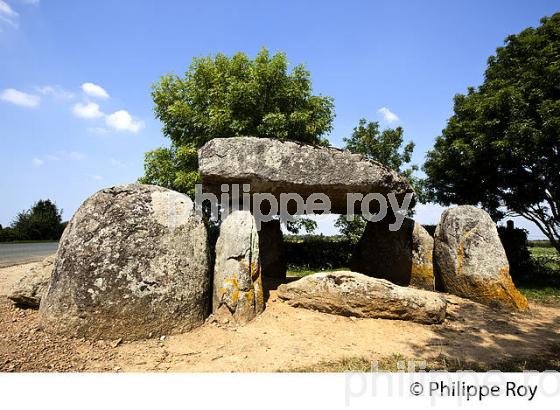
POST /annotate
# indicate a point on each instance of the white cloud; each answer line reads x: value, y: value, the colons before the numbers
x: 94, y: 90
x: 98, y: 130
x: 87, y: 110
x: 56, y: 92
x: 97, y: 177
x: 20, y: 98
x: 122, y: 121
x: 57, y: 156
x: 388, y: 115
x: 32, y: 2
x: 8, y: 15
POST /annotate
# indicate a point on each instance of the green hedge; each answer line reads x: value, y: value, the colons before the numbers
x: 316, y: 252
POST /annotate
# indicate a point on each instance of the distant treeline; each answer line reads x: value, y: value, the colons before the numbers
x: 43, y: 222
x: 540, y: 243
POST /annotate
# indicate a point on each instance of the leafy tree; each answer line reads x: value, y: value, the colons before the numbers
x: 42, y: 222
x: 387, y: 148
x: 174, y: 168
x: 352, y: 229
x: 298, y: 223
x: 227, y: 97
x: 501, y: 147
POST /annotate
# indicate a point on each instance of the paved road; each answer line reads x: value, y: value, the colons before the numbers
x: 18, y: 253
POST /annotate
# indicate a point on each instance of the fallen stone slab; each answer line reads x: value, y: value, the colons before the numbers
x: 354, y: 294
x: 30, y: 288
x: 275, y: 167
x: 132, y: 263
x: 470, y: 260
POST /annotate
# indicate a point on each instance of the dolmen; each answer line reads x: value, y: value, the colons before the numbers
x: 135, y: 261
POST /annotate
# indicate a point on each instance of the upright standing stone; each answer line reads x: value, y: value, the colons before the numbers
x: 471, y: 260
x: 403, y: 257
x: 422, y: 269
x: 132, y: 263
x: 237, y: 272
x: 271, y: 250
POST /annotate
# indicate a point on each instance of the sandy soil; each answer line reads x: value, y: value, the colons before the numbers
x: 282, y: 338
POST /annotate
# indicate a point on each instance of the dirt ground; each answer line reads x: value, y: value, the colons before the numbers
x: 280, y: 339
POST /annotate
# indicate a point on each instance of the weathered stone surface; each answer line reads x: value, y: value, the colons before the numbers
x: 422, y: 269
x: 237, y: 272
x: 471, y: 261
x: 403, y: 257
x: 271, y: 250
x: 355, y: 294
x: 29, y: 289
x: 274, y: 166
x: 132, y: 263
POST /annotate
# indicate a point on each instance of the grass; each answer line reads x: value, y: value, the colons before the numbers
x: 549, y: 360
x: 301, y: 272
x: 540, y: 243
x: 542, y: 285
x: 545, y: 252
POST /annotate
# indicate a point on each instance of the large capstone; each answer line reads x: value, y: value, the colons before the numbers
x: 471, y: 261
x: 273, y: 166
x: 402, y: 256
x: 238, y: 289
x: 132, y: 263
x: 355, y: 294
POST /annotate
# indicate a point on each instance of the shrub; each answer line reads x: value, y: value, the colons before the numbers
x: 317, y: 252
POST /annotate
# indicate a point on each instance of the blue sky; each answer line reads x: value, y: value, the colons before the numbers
x: 75, y: 107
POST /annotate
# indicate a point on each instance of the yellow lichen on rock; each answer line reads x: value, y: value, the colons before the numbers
x: 237, y: 270
x: 471, y: 261
x: 422, y: 276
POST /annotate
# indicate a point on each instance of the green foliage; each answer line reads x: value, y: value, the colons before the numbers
x: 381, y: 146
x: 223, y: 97
x: 173, y: 168
x: 298, y: 223
x: 540, y: 243
x: 7, y: 235
x: 226, y: 97
x: 317, y: 252
x: 502, y: 145
x: 351, y: 229
x: 42, y: 222
x: 385, y: 147
x: 542, y: 282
